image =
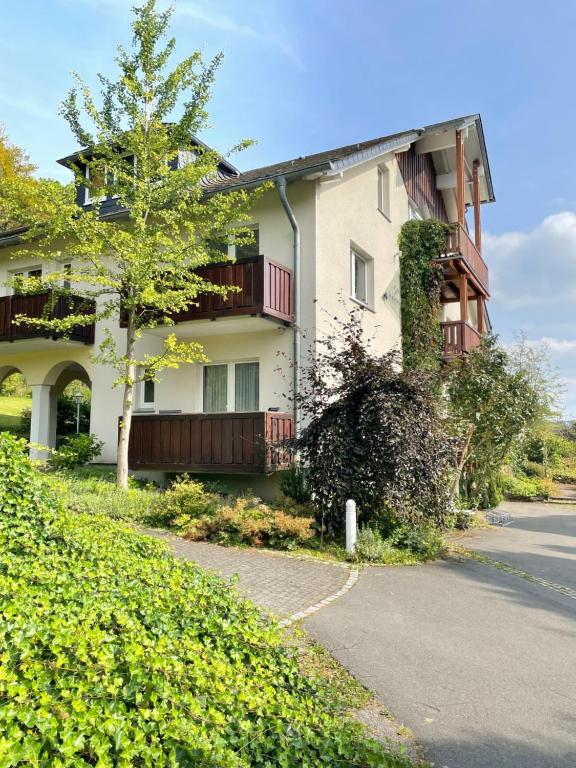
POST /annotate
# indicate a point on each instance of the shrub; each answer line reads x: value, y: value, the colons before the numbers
x: 373, y: 433
x: 293, y: 483
x: 119, y: 654
x: 423, y: 540
x: 76, y: 451
x: 184, y: 502
x: 527, y: 487
x: 371, y: 547
x: 247, y: 520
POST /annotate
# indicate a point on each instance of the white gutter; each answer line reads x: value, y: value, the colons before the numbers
x: 281, y: 187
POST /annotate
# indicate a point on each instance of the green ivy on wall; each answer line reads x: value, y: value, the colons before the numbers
x: 421, y: 244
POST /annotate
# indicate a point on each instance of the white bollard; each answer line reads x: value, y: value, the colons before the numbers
x: 350, y: 526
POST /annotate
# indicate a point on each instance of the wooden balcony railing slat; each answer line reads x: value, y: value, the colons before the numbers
x: 35, y: 306
x: 459, y: 337
x: 208, y: 442
x: 460, y: 242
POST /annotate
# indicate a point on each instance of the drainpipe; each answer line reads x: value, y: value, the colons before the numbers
x: 281, y: 187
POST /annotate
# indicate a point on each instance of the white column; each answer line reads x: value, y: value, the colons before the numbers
x: 40, y: 424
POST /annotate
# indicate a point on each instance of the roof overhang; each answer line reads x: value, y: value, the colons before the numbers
x: 440, y: 141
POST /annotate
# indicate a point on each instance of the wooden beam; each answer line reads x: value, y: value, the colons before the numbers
x: 480, y: 313
x: 464, y: 298
x: 476, y: 199
x: 460, y: 199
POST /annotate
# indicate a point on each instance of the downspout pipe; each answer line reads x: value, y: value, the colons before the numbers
x: 281, y: 187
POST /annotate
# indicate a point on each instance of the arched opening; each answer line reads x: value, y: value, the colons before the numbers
x: 15, y: 402
x: 70, y: 397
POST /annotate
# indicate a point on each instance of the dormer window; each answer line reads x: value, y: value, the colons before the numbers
x: 97, y: 179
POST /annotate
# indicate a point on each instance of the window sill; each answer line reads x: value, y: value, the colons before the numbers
x: 362, y: 304
x: 144, y: 410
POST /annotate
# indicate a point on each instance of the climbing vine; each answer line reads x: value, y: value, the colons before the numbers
x: 421, y: 243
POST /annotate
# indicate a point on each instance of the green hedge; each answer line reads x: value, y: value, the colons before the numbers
x: 113, y: 653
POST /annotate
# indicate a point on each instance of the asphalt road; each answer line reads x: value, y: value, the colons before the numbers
x: 479, y: 663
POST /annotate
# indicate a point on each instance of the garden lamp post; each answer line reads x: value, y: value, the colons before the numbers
x: 77, y: 397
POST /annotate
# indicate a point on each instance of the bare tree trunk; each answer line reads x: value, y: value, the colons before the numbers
x: 126, y: 423
x: 462, y: 460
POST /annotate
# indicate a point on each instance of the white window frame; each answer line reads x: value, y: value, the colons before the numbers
x: 87, y: 199
x: 384, y: 191
x: 144, y: 405
x: 358, y: 253
x: 231, y: 384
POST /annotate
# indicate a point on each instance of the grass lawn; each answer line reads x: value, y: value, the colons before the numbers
x: 10, y: 410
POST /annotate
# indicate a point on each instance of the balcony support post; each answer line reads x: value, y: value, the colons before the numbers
x: 464, y: 298
x: 460, y: 198
x: 476, y: 197
x: 480, y: 313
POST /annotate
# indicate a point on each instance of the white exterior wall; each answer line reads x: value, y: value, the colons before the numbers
x: 333, y: 214
x: 348, y: 216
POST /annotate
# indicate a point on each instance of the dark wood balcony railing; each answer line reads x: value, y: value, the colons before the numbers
x: 266, y: 288
x: 459, y: 338
x: 460, y: 244
x: 211, y: 442
x: 38, y: 305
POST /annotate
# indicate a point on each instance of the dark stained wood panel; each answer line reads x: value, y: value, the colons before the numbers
x: 43, y: 305
x: 419, y: 177
x: 211, y: 442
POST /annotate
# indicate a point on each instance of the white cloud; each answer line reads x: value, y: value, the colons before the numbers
x: 534, y: 268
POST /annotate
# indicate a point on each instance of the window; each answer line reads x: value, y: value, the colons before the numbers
x: 146, y: 391
x: 99, y: 180
x: 384, y: 191
x: 25, y: 273
x: 231, y: 387
x: 249, y: 249
x: 414, y: 213
x: 67, y: 270
x: 360, y: 277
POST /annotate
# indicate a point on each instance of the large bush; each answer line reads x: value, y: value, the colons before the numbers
x: 373, y: 434
x: 200, y: 515
x: 117, y: 654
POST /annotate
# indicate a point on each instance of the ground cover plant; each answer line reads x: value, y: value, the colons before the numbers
x: 114, y: 653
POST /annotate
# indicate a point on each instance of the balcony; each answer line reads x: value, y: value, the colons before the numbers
x: 211, y: 442
x: 460, y: 248
x: 38, y: 305
x: 266, y: 289
x: 459, y: 338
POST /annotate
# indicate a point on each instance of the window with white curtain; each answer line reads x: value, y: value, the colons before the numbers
x: 231, y: 387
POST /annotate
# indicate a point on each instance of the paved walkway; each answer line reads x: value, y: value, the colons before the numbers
x: 477, y: 661
x: 284, y: 585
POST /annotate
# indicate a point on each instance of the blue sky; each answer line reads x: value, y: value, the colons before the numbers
x: 301, y: 76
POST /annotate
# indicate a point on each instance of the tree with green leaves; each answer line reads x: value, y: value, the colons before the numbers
x: 139, y: 263
x: 16, y: 170
x: 493, y: 398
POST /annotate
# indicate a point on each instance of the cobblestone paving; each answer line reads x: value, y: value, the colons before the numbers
x: 284, y: 585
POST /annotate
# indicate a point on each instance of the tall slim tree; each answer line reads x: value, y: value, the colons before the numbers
x: 141, y: 265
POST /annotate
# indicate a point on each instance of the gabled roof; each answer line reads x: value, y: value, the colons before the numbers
x: 343, y: 158
x: 330, y: 160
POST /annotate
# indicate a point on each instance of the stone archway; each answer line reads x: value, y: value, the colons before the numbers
x: 45, y: 403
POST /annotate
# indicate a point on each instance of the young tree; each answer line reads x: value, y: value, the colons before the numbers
x: 493, y: 398
x: 373, y: 434
x: 141, y: 264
